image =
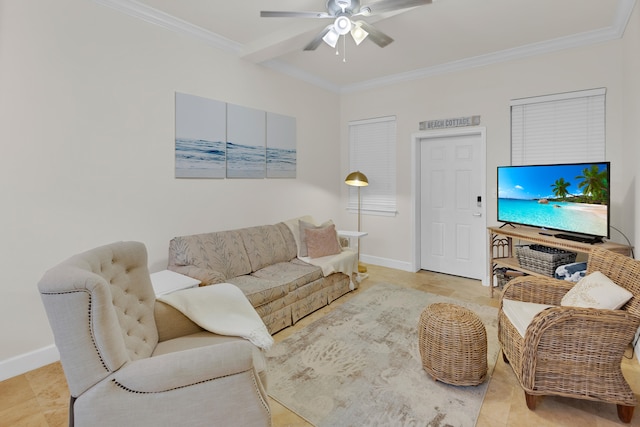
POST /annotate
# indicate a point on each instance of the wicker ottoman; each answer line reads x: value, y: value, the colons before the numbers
x: 453, y: 344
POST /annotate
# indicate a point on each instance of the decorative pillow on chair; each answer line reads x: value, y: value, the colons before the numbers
x: 322, y: 241
x: 596, y: 291
x: 304, y: 226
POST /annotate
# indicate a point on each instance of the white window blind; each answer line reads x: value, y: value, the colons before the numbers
x: 561, y: 128
x: 372, y: 151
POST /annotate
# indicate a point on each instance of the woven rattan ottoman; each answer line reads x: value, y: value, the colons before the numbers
x: 453, y: 344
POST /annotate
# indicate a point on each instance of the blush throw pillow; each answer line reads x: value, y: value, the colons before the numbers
x: 304, y: 226
x: 596, y: 291
x: 322, y: 241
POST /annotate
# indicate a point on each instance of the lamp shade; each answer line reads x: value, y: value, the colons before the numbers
x: 331, y: 38
x: 358, y: 33
x: 356, y: 179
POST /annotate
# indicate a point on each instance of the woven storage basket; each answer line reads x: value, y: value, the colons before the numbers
x: 543, y: 259
x: 453, y: 344
x: 503, y: 275
x: 502, y: 278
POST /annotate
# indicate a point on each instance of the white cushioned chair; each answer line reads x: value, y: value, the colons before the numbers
x: 565, y: 349
x: 132, y: 361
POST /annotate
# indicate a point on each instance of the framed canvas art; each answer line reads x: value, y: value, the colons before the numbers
x: 281, y: 146
x: 246, y: 151
x: 200, y: 150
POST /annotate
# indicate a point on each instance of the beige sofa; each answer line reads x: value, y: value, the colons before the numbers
x: 263, y: 262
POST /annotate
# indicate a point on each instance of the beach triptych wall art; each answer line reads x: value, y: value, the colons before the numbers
x: 215, y: 139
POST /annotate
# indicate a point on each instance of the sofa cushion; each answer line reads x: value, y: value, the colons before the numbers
x: 289, y: 240
x: 264, y: 245
x: 293, y: 225
x: 521, y: 313
x: 322, y: 241
x: 294, y: 274
x: 260, y: 291
x: 221, y: 251
x: 304, y: 226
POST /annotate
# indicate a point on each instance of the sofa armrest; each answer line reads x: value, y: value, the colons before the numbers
x: 206, y: 276
x: 185, y: 368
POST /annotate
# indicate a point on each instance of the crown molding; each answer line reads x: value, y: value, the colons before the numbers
x: 297, y: 73
x: 162, y: 19
x: 615, y: 31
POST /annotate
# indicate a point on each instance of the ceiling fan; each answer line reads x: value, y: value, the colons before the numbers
x: 341, y: 11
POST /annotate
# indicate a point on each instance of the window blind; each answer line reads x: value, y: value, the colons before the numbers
x: 560, y: 128
x: 372, y: 151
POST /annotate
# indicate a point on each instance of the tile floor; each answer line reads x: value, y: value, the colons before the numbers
x: 40, y: 397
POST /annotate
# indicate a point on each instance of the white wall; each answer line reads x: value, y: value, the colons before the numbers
x: 87, y: 137
x: 631, y: 124
x: 487, y: 91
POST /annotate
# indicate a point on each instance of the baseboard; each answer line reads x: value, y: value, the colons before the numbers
x: 23, y: 363
x: 385, y: 262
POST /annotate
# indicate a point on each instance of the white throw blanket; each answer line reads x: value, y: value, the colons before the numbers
x: 345, y: 262
x: 222, y: 309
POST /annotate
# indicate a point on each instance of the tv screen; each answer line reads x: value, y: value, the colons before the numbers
x: 567, y: 197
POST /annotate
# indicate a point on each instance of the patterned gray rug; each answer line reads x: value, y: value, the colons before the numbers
x: 360, y: 366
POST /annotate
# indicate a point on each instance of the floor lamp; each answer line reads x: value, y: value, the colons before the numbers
x: 358, y: 179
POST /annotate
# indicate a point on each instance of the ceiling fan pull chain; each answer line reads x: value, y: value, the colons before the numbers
x: 344, y: 48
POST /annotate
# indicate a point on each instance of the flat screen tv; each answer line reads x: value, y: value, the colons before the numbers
x: 572, y: 198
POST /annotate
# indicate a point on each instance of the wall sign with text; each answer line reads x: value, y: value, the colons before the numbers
x: 450, y: 123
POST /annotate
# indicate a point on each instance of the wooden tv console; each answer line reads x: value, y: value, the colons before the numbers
x: 501, y: 247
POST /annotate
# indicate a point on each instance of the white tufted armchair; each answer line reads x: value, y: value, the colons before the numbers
x: 132, y: 361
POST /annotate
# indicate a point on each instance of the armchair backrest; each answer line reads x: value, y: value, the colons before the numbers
x: 100, y: 306
x: 622, y: 270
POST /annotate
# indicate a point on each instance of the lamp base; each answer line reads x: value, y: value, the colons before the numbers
x: 362, y: 268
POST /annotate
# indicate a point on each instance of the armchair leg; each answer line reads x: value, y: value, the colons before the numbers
x: 625, y: 413
x: 531, y: 401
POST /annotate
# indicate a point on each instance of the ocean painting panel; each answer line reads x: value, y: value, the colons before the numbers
x: 281, y: 146
x: 200, y: 137
x: 246, y: 150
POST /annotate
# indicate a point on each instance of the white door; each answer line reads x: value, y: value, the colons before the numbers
x: 452, y: 204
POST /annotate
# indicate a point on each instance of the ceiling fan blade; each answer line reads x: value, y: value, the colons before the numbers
x: 313, y: 44
x: 389, y: 5
x: 278, y: 14
x: 375, y: 35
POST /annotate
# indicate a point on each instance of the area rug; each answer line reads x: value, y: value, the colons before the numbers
x: 360, y: 365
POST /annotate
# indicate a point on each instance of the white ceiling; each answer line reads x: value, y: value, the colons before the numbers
x: 444, y: 36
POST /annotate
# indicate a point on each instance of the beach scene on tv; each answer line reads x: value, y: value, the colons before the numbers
x: 570, y: 198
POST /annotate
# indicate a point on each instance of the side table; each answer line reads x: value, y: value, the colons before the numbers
x: 167, y: 281
x: 356, y: 235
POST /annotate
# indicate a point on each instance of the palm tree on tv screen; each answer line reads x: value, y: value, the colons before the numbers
x: 560, y: 188
x: 594, y: 184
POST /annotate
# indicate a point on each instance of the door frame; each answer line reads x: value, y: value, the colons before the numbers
x: 416, y: 139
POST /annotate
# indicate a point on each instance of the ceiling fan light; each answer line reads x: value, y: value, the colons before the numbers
x: 342, y: 25
x: 358, y: 33
x: 331, y: 38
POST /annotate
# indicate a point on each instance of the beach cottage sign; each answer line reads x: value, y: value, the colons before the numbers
x: 450, y: 123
